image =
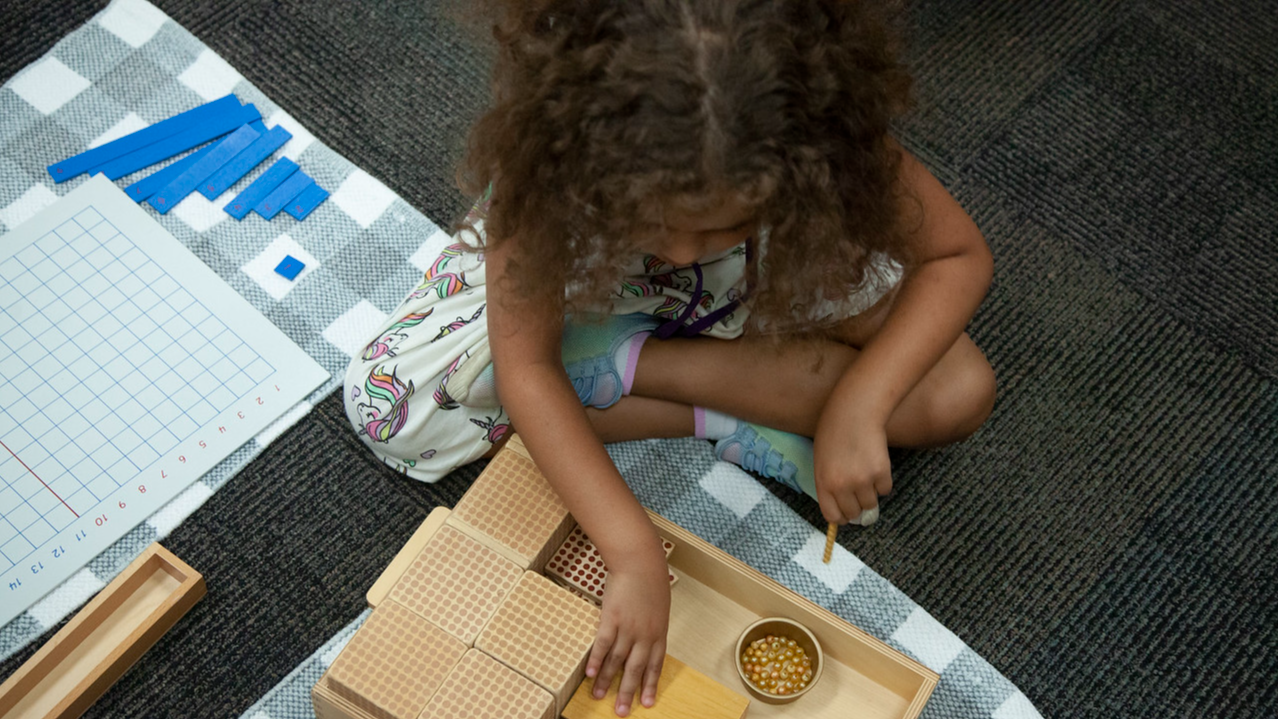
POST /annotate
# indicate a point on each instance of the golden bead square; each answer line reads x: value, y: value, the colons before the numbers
x: 480, y: 687
x: 542, y: 631
x: 394, y: 663
x: 456, y: 583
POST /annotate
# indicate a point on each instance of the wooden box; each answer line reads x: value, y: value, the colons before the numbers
x: 513, y: 509
x: 716, y: 598
x: 481, y: 687
x: 104, y: 639
x: 544, y: 632
x: 456, y: 583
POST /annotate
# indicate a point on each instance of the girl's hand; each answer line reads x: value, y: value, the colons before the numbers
x: 850, y: 459
x: 632, y: 633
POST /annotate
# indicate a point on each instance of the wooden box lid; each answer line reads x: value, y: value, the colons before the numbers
x: 456, y: 583
x: 480, y: 687
x: 394, y: 663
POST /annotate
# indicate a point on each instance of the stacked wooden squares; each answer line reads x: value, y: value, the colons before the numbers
x: 394, y: 664
x: 472, y: 628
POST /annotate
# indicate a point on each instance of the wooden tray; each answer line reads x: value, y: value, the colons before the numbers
x: 718, y: 596
x: 96, y: 647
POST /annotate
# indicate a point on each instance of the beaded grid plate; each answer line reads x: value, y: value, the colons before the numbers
x: 544, y: 632
x: 480, y: 687
x: 394, y: 663
x: 456, y: 583
x: 577, y: 564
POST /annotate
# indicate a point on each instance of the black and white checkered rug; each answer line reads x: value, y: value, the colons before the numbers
x: 131, y: 66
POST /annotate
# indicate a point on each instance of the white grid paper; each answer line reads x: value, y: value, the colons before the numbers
x: 127, y: 370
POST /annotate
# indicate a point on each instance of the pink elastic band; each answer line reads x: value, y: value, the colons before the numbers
x: 699, y: 422
x: 632, y: 360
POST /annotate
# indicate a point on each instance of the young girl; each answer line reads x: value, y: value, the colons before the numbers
x: 695, y: 222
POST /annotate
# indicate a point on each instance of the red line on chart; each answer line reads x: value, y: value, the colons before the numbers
x: 33, y: 474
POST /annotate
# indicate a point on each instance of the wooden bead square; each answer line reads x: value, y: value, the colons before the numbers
x: 544, y: 632
x: 456, y: 583
x: 480, y: 687
x: 394, y: 663
x: 513, y: 505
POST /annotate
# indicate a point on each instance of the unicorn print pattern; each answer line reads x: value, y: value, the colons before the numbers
x: 457, y: 324
x: 411, y: 354
x: 384, y: 413
x: 385, y: 345
x: 439, y: 282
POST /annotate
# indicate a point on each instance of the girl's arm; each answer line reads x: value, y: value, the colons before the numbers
x: 524, y: 336
x: 949, y: 274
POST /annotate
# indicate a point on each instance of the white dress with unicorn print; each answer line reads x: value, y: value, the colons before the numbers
x: 408, y: 391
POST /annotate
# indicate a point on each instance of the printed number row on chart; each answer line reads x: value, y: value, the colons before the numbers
x: 221, y: 429
x: 100, y: 518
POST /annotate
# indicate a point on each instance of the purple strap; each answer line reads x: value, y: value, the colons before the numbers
x: 676, y: 327
x: 670, y: 327
x: 704, y: 323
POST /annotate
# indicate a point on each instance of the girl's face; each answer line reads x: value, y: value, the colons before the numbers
x: 684, y: 234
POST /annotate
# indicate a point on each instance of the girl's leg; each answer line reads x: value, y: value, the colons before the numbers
x: 636, y: 418
x: 786, y: 387
x: 778, y: 455
x: 642, y: 418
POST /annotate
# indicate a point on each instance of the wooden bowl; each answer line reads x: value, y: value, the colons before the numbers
x: 779, y: 626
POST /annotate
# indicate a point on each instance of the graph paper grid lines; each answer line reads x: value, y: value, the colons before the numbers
x: 121, y: 381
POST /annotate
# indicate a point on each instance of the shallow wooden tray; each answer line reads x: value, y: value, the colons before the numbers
x: 718, y: 596
x: 100, y: 643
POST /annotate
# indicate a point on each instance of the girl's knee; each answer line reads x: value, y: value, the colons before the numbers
x: 970, y: 398
x: 961, y: 399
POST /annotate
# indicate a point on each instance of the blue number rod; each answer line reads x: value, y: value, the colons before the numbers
x: 261, y: 187
x: 153, y: 183
x: 78, y: 164
x: 181, y: 142
x: 185, y: 184
x: 243, y: 163
x: 307, y: 200
x: 271, y: 205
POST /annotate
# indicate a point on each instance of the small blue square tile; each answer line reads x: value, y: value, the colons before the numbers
x: 289, y: 267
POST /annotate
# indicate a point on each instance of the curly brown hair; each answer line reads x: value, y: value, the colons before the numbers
x: 606, y: 110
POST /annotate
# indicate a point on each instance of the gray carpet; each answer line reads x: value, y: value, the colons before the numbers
x: 1107, y: 540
